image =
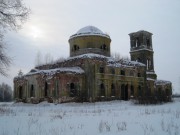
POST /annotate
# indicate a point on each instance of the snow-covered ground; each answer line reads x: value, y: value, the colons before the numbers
x: 110, y: 118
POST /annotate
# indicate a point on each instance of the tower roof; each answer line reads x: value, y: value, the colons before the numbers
x: 140, y: 31
x: 89, y: 31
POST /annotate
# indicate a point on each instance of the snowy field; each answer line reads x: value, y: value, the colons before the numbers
x: 109, y: 118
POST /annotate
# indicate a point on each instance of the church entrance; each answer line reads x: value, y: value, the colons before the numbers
x: 124, y: 92
x: 102, y: 90
x: 46, y: 89
x: 73, y: 91
x: 32, y: 92
x: 20, y: 92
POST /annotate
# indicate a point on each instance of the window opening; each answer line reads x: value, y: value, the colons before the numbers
x: 122, y: 72
x: 104, y: 47
x: 75, y: 47
x: 112, y: 71
x: 101, y: 70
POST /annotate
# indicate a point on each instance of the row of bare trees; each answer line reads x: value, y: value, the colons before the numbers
x: 43, y: 60
x: 46, y: 59
x: 118, y: 57
x: 6, y: 93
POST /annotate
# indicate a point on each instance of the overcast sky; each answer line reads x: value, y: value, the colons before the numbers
x: 52, y: 22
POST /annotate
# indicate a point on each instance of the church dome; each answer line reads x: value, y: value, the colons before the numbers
x: 89, y: 39
x: 89, y: 31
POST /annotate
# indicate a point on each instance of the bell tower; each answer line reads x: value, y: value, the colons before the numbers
x: 141, y: 50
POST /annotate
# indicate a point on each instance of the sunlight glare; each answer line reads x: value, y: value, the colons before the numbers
x: 35, y: 32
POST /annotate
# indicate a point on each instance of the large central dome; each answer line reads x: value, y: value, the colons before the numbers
x: 89, y: 39
x: 88, y: 31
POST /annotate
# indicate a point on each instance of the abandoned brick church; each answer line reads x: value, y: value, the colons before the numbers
x: 91, y: 74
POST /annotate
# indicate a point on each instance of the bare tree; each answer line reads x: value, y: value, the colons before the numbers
x: 61, y: 59
x: 117, y: 56
x: 5, y: 92
x: 38, y: 59
x: 5, y: 60
x: 12, y: 14
x: 48, y: 58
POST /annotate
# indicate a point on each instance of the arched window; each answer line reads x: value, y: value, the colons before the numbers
x: 124, y: 92
x: 138, y: 60
x: 103, y: 47
x: 167, y: 92
x: 122, y: 72
x: 112, y: 90
x: 112, y: 71
x: 148, y: 63
x: 148, y: 42
x: 137, y: 42
x: 101, y: 69
x: 73, y: 91
x: 133, y: 43
x: 102, y: 90
x: 159, y: 92
x: 131, y: 73
x: 139, y: 74
x: 75, y: 47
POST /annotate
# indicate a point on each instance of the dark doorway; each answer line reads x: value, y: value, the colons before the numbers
x: 32, y: 91
x: 102, y: 90
x: 46, y: 89
x: 113, y: 90
x: 139, y: 91
x: 124, y: 92
x: 132, y: 90
x: 20, y: 92
x: 73, y: 91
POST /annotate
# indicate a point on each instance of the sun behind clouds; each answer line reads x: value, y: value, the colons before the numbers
x: 35, y: 32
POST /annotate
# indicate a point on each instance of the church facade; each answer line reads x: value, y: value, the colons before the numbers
x: 91, y: 74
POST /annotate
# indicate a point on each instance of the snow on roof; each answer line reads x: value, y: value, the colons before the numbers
x: 142, y: 50
x: 140, y: 31
x: 111, y: 61
x: 162, y: 82
x: 148, y: 72
x: 150, y: 79
x: 87, y: 55
x: 132, y: 63
x: 50, y: 72
x: 89, y: 31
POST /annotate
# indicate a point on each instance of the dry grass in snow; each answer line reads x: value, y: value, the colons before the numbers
x: 111, y: 118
